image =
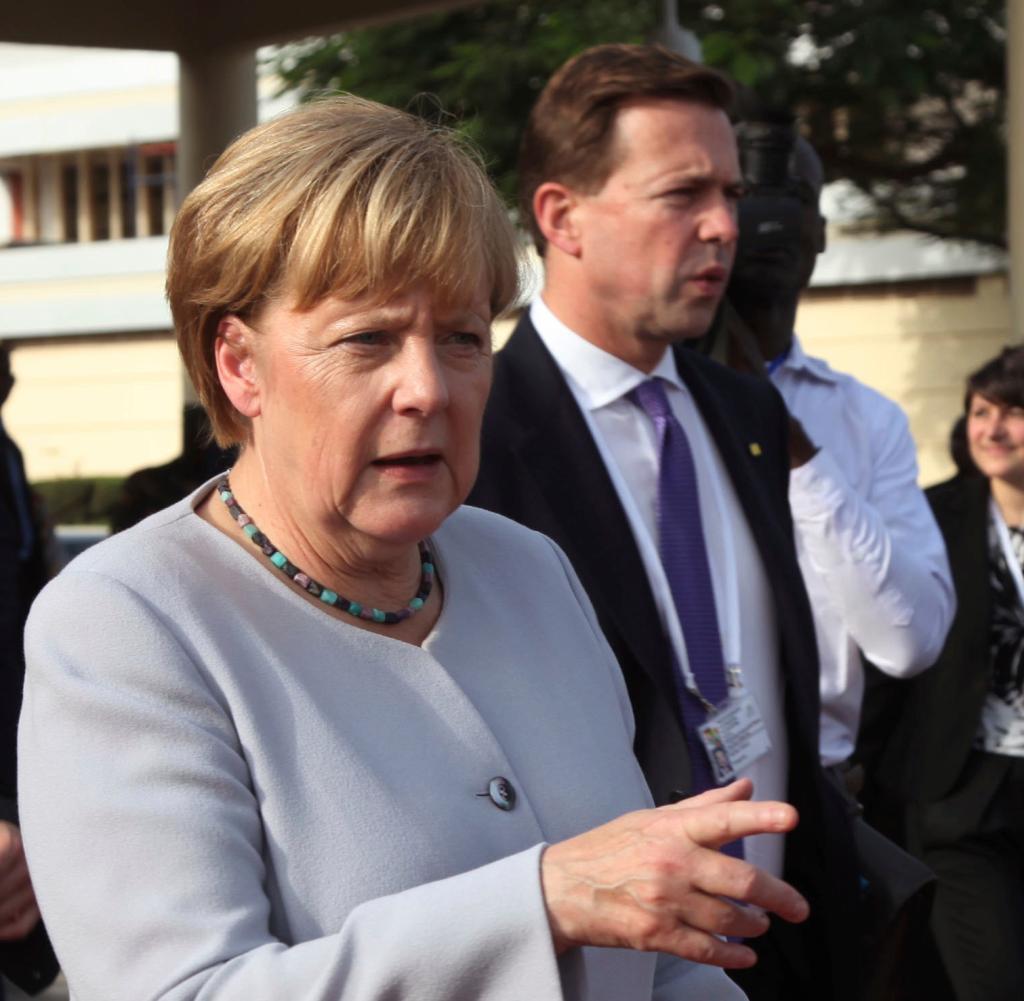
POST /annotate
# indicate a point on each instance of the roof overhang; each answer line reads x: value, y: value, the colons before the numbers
x: 195, y: 25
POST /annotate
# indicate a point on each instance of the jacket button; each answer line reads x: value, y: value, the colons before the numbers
x: 502, y: 793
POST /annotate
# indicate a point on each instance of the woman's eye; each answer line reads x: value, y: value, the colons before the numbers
x: 366, y: 337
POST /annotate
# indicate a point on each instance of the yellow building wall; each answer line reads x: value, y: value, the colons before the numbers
x: 95, y: 406
x: 109, y: 405
x: 914, y: 342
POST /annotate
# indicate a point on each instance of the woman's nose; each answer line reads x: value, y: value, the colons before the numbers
x: 996, y: 427
x: 421, y: 384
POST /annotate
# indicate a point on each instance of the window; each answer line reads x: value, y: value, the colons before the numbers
x: 91, y: 195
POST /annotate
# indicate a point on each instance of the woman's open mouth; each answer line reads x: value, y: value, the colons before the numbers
x: 410, y: 467
x: 428, y: 459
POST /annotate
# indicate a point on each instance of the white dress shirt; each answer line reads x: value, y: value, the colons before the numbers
x: 628, y: 444
x: 872, y: 557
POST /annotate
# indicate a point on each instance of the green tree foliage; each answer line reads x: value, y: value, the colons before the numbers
x: 484, y: 65
x: 904, y: 100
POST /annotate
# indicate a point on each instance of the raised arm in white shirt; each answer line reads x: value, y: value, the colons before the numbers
x: 873, y: 560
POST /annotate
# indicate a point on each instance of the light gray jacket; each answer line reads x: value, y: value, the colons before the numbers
x: 227, y: 794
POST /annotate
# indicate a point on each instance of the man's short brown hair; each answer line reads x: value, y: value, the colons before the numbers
x: 568, y: 136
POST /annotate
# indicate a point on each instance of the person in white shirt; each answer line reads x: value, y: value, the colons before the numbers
x: 870, y: 552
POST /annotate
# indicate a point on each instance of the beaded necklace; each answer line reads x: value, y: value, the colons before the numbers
x: 325, y: 594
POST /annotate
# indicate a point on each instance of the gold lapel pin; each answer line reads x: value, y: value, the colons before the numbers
x: 755, y: 449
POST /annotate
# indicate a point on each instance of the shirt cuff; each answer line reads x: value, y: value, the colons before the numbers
x: 816, y: 488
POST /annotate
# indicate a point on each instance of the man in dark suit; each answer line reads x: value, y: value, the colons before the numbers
x: 629, y: 180
x: 25, y: 954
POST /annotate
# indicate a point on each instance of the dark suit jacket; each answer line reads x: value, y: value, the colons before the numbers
x: 20, y: 581
x: 29, y: 962
x: 540, y: 466
x: 916, y: 735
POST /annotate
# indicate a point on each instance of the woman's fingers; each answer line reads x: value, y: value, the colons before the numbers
x: 702, y: 947
x: 736, y: 880
x: 721, y: 917
x: 738, y: 790
x: 654, y: 880
x: 719, y: 823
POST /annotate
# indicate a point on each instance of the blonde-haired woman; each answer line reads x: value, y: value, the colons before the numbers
x: 318, y: 732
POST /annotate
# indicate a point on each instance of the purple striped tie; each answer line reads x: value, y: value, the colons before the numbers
x: 685, y: 560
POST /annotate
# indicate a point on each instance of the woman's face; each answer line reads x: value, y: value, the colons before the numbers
x: 995, y: 437
x: 368, y: 416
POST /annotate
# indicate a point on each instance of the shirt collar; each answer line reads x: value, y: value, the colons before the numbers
x: 597, y: 377
x: 798, y: 361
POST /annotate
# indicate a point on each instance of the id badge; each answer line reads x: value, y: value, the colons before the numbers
x: 734, y: 737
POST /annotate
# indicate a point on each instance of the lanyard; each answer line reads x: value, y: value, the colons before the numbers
x: 1012, y: 563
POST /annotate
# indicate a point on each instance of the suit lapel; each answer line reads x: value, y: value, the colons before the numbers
x: 556, y: 448
x: 726, y: 433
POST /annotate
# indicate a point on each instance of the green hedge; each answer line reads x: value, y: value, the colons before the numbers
x: 82, y: 501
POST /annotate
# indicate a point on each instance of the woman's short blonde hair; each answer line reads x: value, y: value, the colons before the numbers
x: 340, y: 196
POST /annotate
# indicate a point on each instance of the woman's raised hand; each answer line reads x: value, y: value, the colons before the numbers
x: 654, y: 880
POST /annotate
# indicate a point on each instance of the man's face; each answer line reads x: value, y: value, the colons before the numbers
x: 657, y: 240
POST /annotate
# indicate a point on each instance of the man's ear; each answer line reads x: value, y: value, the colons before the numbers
x: 236, y: 367
x: 555, y: 209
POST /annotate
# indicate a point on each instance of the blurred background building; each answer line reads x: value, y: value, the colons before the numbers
x: 91, y: 166
x: 88, y: 154
x: 910, y: 316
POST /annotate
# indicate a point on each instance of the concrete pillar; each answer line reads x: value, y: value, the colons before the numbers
x: 1015, y: 162
x: 216, y: 103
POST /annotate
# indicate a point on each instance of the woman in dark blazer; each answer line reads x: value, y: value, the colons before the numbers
x: 945, y: 750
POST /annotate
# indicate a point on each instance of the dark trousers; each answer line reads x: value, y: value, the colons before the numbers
x: 974, y: 841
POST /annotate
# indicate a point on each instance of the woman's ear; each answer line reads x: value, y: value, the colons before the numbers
x: 554, y: 208
x: 236, y: 367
